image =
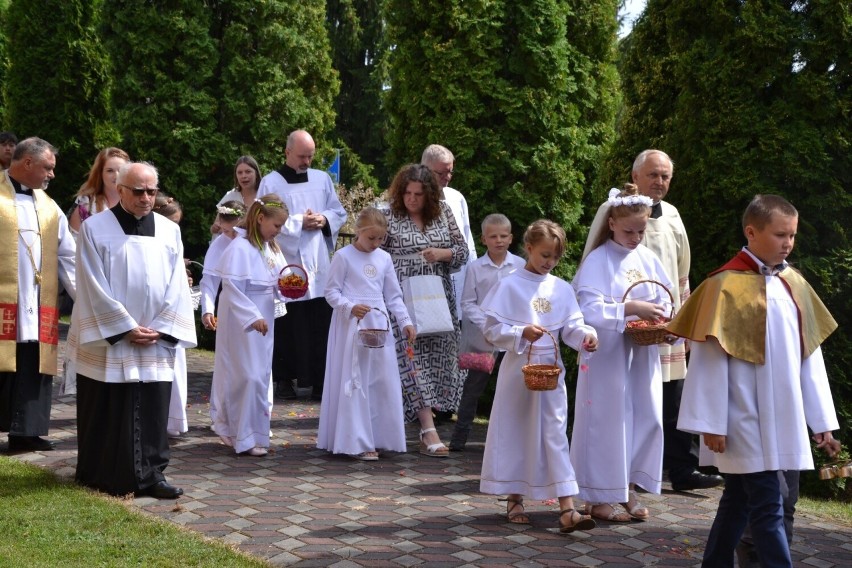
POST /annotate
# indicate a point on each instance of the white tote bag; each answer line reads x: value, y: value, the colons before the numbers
x: 427, y: 304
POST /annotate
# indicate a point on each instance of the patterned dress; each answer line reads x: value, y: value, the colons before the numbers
x: 435, y: 380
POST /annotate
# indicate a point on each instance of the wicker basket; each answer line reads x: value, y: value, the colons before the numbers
x: 296, y: 289
x: 195, y: 291
x: 836, y: 469
x: 374, y: 338
x: 647, y: 333
x: 540, y: 377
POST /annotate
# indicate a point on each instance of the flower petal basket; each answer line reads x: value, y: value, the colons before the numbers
x: 374, y: 338
x: 540, y: 377
x: 293, y: 286
x: 643, y: 332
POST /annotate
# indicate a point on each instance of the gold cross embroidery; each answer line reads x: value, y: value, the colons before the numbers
x: 541, y: 305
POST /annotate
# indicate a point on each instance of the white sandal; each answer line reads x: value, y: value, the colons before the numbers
x: 438, y: 450
x: 634, y: 508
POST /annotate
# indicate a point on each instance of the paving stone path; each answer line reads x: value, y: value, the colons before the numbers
x: 303, y: 507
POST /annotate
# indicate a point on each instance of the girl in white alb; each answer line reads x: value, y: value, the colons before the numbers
x: 362, y: 408
x: 242, y: 369
x: 618, y: 426
x: 228, y: 215
x: 526, y: 449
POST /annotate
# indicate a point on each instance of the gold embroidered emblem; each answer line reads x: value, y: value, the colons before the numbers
x: 541, y: 305
x: 634, y: 276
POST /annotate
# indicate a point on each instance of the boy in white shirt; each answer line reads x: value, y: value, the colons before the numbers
x: 482, y: 276
x: 757, y: 381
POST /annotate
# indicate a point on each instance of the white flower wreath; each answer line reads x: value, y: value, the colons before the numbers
x: 222, y: 210
x: 615, y: 200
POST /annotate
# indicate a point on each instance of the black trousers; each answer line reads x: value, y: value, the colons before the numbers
x: 25, y: 395
x: 680, y: 449
x: 121, y: 431
x: 301, y: 340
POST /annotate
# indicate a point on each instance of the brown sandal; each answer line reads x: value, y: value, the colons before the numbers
x: 516, y: 517
x: 586, y: 523
x: 612, y: 514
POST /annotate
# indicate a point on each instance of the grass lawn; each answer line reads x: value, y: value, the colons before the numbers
x: 836, y: 511
x: 46, y: 522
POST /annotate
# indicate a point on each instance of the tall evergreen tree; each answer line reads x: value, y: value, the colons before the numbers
x: 514, y: 95
x: 56, y: 85
x: 164, y: 61
x: 648, y: 93
x: 4, y: 60
x: 201, y: 83
x: 276, y: 76
x: 752, y: 97
x: 355, y: 31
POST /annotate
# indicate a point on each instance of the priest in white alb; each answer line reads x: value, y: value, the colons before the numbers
x: 307, y: 239
x: 133, y: 309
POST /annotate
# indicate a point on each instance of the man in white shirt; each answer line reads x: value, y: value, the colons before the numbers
x: 483, y: 275
x: 441, y: 161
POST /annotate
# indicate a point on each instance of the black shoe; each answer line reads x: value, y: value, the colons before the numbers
x: 697, y: 480
x: 457, y: 446
x: 161, y: 490
x: 285, y: 391
x: 30, y: 444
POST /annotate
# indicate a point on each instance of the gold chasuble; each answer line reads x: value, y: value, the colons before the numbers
x: 730, y: 305
x: 48, y: 312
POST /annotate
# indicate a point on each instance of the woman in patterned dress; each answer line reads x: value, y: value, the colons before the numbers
x: 423, y: 238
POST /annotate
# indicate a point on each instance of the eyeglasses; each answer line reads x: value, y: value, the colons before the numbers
x: 140, y: 191
x: 447, y: 173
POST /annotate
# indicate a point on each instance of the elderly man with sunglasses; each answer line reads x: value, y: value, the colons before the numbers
x: 133, y: 309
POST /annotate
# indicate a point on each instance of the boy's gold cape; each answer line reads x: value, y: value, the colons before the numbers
x: 730, y: 305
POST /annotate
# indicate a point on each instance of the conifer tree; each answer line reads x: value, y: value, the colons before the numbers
x: 276, y: 76
x: 56, y: 85
x: 201, y: 83
x: 356, y: 34
x: 4, y: 61
x: 164, y: 62
x: 747, y: 98
x: 511, y: 92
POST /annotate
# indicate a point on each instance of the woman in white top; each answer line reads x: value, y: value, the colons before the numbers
x: 246, y: 181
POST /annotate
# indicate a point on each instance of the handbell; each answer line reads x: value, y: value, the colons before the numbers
x: 837, y: 469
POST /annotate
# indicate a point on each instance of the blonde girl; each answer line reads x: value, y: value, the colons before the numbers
x: 526, y: 450
x: 228, y: 216
x: 249, y: 269
x: 362, y: 409
x: 617, y: 440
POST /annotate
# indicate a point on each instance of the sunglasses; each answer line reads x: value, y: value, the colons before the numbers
x: 140, y: 191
